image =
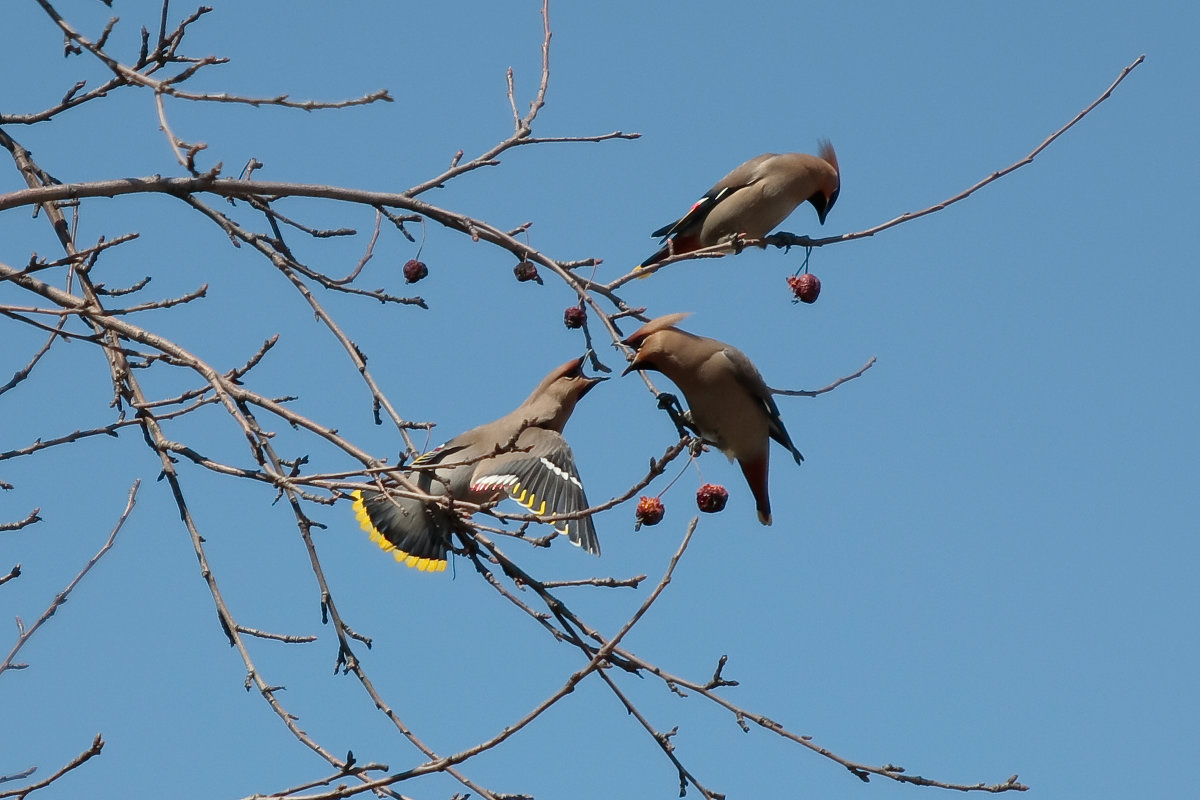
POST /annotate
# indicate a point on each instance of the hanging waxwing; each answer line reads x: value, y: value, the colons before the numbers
x: 729, y: 404
x: 522, y: 454
x: 753, y: 199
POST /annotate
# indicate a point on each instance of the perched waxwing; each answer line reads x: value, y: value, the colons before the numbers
x: 522, y: 454
x: 753, y: 199
x: 729, y: 403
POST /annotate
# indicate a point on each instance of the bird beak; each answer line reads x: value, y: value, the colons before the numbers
x: 589, y: 383
x: 829, y: 205
x: 589, y: 380
x: 635, y: 364
x: 822, y: 203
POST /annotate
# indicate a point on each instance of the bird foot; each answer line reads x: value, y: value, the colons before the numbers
x: 785, y: 240
x: 670, y: 403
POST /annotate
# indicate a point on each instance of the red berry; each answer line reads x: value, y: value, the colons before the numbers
x: 574, y: 316
x: 415, y: 270
x: 806, y: 287
x: 711, y: 497
x: 649, y: 511
x: 527, y: 271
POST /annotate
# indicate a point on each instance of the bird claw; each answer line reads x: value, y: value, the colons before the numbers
x: 786, y: 240
x: 780, y: 239
x: 737, y: 242
x: 670, y: 403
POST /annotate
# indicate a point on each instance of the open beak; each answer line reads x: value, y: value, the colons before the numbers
x: 590, y: 380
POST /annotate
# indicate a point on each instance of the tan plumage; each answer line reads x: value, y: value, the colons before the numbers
x: 537, y: 470
x: 753, y: 199
x: 729, y: 404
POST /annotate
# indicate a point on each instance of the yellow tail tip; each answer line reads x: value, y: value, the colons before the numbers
x: 407, y: 559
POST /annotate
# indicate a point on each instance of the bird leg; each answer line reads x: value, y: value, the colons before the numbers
x: 670, y: 403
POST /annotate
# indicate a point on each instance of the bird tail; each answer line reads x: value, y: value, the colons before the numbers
x: 682, y: 243
x: 415, y: 533
x: 756, y: 476
x: 659, y: 255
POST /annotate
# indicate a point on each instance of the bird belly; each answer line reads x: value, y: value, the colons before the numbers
x: 739, y: 434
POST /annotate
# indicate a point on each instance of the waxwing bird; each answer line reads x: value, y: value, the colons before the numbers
x: 729, y: 403
x: 523, y: 454
x: 753, y: 199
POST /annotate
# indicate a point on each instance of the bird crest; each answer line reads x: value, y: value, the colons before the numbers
x: 658, y: 324
x: 826, y: 152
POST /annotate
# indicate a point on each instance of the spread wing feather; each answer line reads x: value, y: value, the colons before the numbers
x: 545, y: 481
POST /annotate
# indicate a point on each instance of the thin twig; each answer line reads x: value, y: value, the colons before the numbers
x: 30, y: 518
x: 61, y: 597
x: 13, y: 573
x: 814, y: 392
x: 79, y: 760
x: 279, y: 637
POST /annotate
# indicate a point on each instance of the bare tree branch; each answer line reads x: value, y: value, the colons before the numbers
x: 786, y: 240
x: 75, y: 763
x: 814, y: 392
x: 61, y: 597
x: 30, y: 518
x: 63, y: 300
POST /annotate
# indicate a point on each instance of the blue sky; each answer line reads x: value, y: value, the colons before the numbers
x: 985, y: 566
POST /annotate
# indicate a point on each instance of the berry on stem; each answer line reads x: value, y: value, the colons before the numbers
x: 527, y: 271
x: 649, y: 511
x: 574, y: 316
x: 711, y: 498
x: 415, y: 270
x: 805, y: 287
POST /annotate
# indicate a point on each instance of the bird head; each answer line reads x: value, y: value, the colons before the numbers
x: 646, y: 345
x: 551, y: 403
x: 831, y: 184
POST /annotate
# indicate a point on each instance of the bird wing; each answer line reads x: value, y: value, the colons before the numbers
x: 695, y: 215
x: 544, y: 480
x: 740, y: 177
x: 438, y: 454
x: 749, y: 377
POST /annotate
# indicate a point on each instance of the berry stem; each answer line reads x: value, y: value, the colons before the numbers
x: 691, y: 458
x: 804, y: 266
